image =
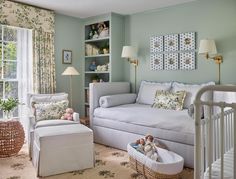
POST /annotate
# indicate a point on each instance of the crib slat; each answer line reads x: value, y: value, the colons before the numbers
x: 210, y: 143
x: 197, y: 153
x: 234, y: 170
x: 222, y: 143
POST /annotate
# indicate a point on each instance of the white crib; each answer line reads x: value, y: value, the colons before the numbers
x: 215, y: 137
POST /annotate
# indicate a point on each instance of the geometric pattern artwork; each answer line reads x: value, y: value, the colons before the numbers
x: 156, y: 44
x: 173, y: 51
x: 171, y: 61
x: 171, y: 42
x: 187, y: 61
x: 157, y: 61
x: 187, y: 41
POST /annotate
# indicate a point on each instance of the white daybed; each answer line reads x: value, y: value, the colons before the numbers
x: 121, y: 124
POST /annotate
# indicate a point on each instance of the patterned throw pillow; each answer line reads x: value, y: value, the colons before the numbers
x: 48, y: 111
x: 169, y: 100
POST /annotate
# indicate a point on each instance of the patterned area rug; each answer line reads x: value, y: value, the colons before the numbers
x: 110, y: 163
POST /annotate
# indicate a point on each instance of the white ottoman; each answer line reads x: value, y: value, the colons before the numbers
x: 60, y: 149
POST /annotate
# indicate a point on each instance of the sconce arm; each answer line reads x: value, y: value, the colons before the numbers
x: 218, y: 58
x: 134, y: 62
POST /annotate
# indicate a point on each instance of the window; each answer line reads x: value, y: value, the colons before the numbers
x: 8, y: 64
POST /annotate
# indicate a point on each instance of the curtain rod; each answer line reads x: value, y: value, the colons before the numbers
x: 30, y: 5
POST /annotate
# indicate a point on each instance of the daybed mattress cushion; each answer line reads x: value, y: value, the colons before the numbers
x: 142, y: 119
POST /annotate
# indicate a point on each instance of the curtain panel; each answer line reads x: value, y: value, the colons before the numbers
x: 42, y: 22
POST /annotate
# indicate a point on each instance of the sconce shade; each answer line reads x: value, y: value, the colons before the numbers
x: 207, y: 46
x: 70, y: 71
x: 129, y: 52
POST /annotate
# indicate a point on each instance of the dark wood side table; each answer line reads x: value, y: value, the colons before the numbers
x: 12, y: 138
x: 84, y: 121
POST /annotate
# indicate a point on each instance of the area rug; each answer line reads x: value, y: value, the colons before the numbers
x: 110, y: 163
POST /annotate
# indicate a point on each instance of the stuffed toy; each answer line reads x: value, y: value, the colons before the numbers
x: 68, y: 115
x: 150, y: 149
x: 140, y: 145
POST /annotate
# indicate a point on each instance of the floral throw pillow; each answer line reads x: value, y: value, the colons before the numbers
x: 48, y: 111
x: 169, y: 100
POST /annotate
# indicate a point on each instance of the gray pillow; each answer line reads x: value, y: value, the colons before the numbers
x: 191, y: 111
x: 117, y: 99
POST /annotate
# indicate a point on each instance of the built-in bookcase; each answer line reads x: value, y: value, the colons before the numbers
x: 103, y: 42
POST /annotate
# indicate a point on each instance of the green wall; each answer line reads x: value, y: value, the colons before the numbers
x: 69, y: 36
x: 209, y: 18
x: 214, y: 19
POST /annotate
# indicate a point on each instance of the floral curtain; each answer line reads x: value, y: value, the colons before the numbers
x: 42, y: 23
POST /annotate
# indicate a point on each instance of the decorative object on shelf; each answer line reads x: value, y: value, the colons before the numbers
x: 103, y: 30
x: 171, y: 61
x: 171, y: 42
x: 187, y: 61
x: 105, y: 51
x: 12, y: 138
x: 95, y: 79
x: 130, y: 53
x: 156, y: 44
x: 93, y: 66
x: 8, y: 106
x: 157, y: 61
x: 208, y: 49
x: 102, y: 67
x: 91, y: 50
x: 67, y: 56
x: 187, y: 41
x: 92, y: 31
x: 70, y: 71
x: 95, y: 35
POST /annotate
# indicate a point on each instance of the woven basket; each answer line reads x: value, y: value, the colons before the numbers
x: 11, y: 138
x: 148, y: 173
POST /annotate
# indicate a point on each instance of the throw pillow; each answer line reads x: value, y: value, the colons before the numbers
x: 48, y: 111
x: 148, y: 89
x: 169, y: 100
x: 191, y: 91
x: 191, y: 111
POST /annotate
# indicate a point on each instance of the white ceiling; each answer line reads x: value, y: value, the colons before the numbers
x: 88, y: 8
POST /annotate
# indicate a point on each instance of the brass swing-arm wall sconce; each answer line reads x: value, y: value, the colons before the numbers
x: 208, y: 48
x: 130, y: 53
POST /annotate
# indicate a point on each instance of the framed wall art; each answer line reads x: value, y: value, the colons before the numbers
x: 187, y: 61
x: 157, y: 61
x: 187, y: 41
x: 171, y: 61
x: 66, y: 56
x: 171, y: 42
x: 156, y: 44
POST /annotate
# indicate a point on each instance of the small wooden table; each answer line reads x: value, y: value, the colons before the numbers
x: 84, y: 121
x: 12, y: 138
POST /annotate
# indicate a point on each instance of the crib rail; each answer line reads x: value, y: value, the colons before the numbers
x: 215, y: 135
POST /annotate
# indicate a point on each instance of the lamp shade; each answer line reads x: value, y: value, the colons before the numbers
x: 70, y: 71
x: 129, y: 52
x: 207, y: 46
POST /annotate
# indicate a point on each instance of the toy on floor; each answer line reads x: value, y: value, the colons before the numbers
x: 148, y: 147
x: 140, y: 145
x: 68, y: 115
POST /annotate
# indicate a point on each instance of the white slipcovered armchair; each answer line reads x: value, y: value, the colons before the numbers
x: 34, y: 123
